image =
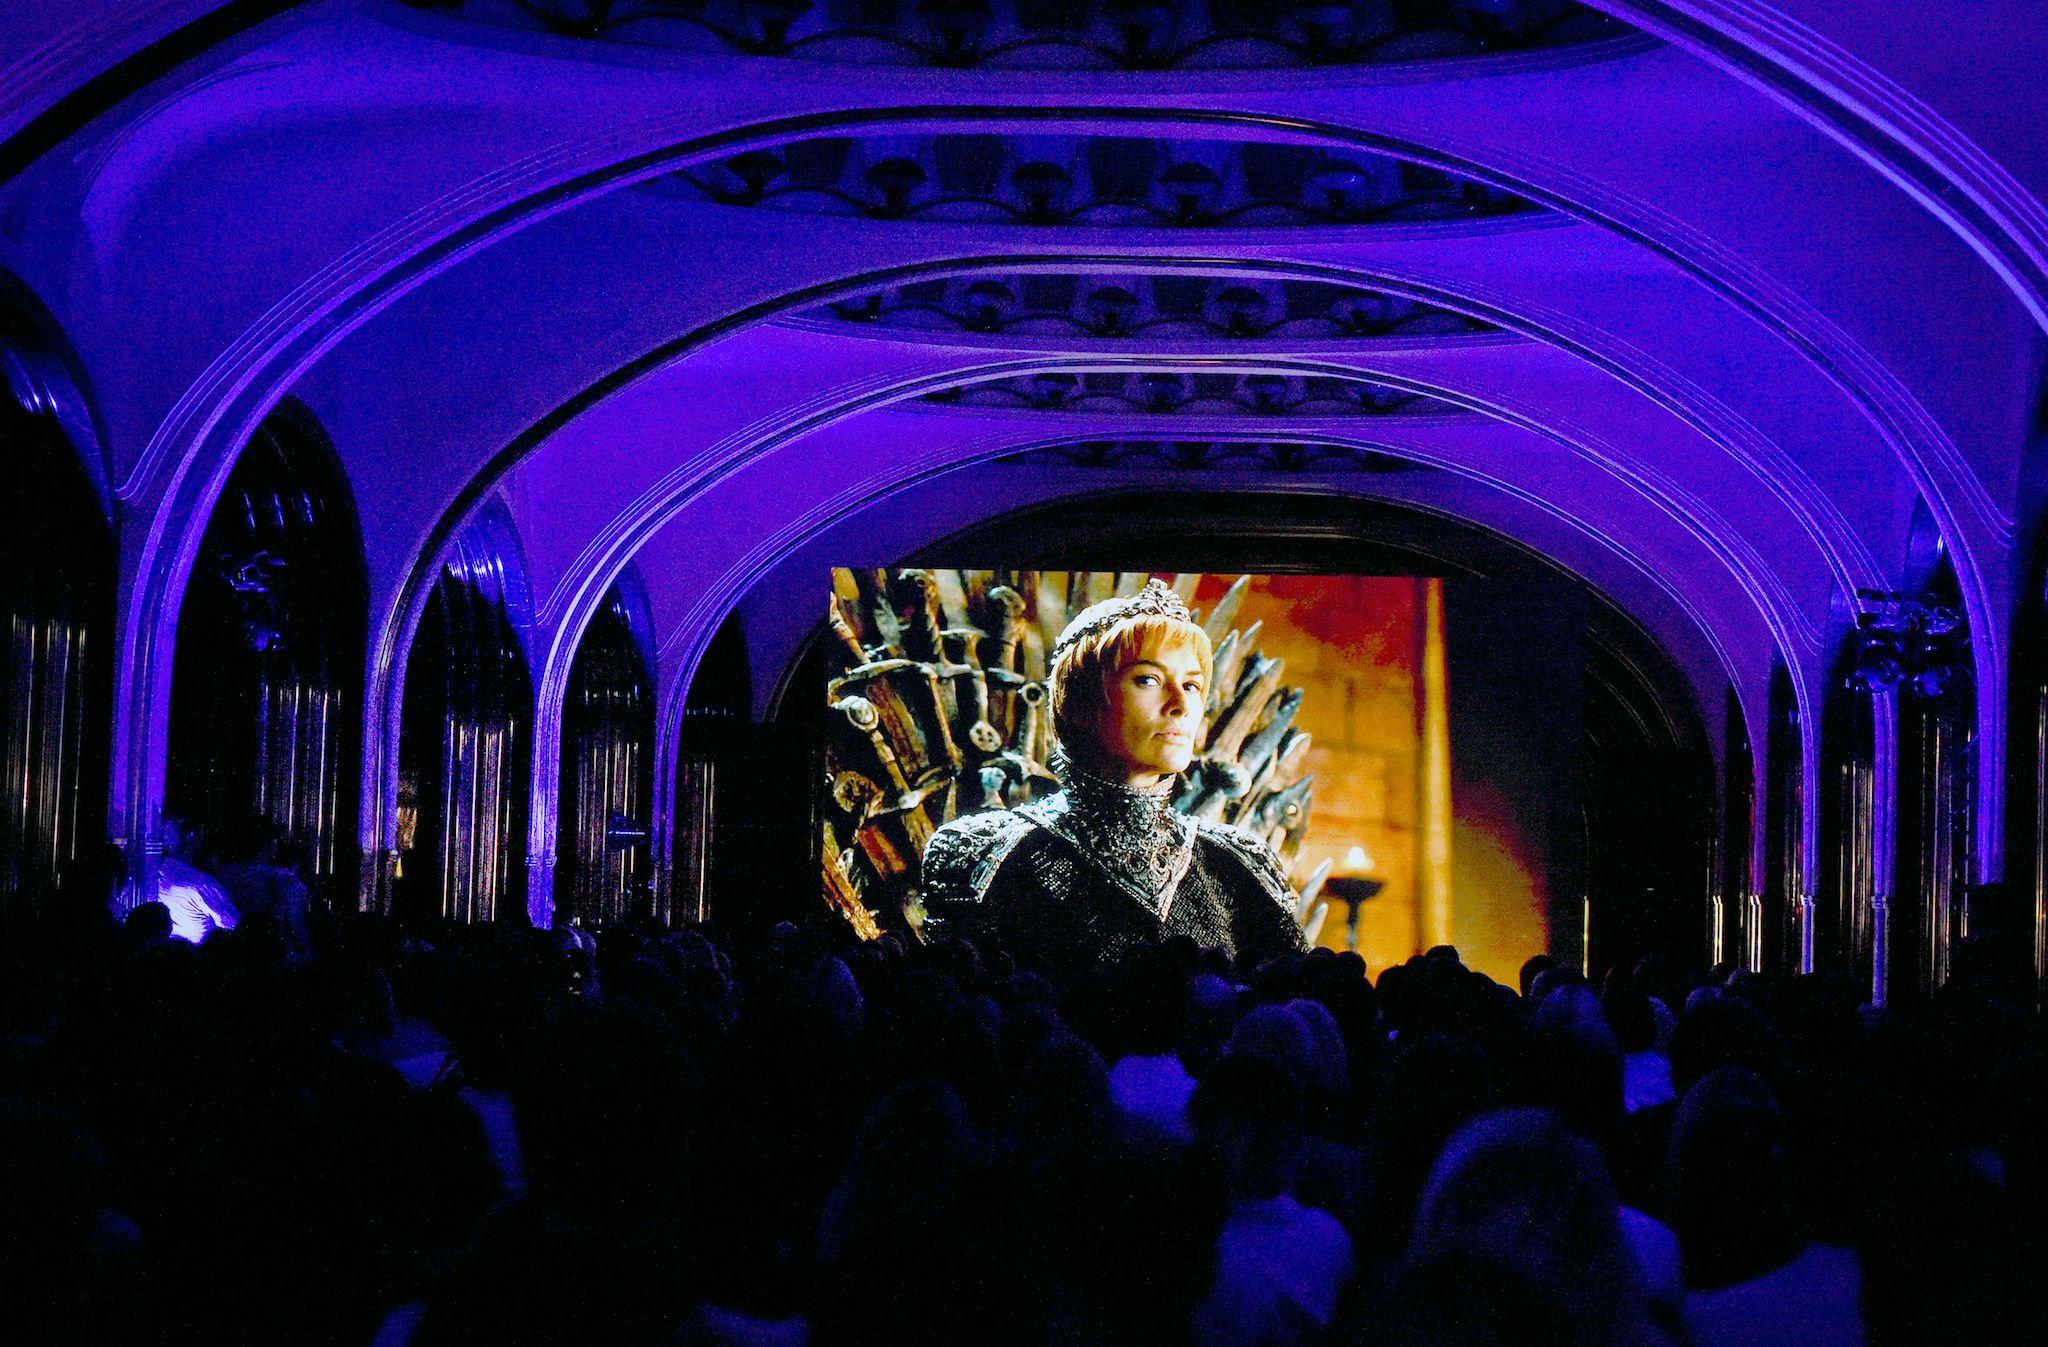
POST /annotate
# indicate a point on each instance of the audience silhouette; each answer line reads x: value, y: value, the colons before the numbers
x: 323, y: 1128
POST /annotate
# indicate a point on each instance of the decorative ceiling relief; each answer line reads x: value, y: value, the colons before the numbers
x: 1109, y: 35
x: 1171, y: 305
x: 1089, y: 180
x: 1172, y: 393
x: 1263, y: 456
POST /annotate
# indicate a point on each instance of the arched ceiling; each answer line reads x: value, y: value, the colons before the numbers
x: 1689, y: 315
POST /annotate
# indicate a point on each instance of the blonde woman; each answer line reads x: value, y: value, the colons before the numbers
x: 1107, y: 864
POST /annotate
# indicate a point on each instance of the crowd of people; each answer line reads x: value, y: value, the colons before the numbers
x: 347, y: 1130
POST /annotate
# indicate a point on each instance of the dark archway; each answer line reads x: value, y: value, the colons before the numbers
x: 2027, y: 910
x: 2020, y: 919
x: 745, y: 854
x: 57, y: 601
x: 1778, y: 939
x: 465, y: 755
x: 604, y: 874
x: 1734, y: 908
x: 1845, y: 941
x: 266, y: 700
x: 1930, y: 908
x: 1647, y: 781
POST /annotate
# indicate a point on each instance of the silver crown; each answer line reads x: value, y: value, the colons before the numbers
x: 1156, y: 598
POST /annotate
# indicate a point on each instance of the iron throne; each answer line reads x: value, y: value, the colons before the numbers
x: 937, y: 707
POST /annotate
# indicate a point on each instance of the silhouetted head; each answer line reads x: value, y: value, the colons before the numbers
x: 1552, y: 978
x: 1247, y: 1115
x: 1062, y: 1100
x: 1630, y: 1016
x: 1726, y: 1185
x: 1520, y: 1190
x: 146, y: 922
x: 1532, y: 967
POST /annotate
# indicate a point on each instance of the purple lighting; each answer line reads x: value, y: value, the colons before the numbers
x: 1726, y: 318
x: 550, y: 790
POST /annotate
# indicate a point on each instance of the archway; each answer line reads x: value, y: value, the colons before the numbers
x: 57, y: 601
x: 1848, y: 884
x: 605, y: 872
x: 1780, y: 941
x: 1734, y: 908
x: 1648, y: 782
x: 743, y: 836
x: 1938, y: 791
x: 266, y: 708
x: 466, y: 742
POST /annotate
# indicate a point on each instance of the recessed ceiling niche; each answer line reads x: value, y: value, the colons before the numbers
x: 1104, y: 35
x: 1049, y: 181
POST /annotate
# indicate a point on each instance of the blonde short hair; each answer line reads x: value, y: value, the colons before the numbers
x: 1080, y: 680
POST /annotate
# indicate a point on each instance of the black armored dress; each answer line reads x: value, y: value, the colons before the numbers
x: 1070, y: 882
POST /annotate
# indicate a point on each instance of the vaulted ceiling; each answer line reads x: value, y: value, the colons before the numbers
x: 1731, y: 309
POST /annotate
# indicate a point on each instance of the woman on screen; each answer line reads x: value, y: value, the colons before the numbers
x: 1107, y: 863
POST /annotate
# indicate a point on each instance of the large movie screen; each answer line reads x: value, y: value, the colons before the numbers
x: 1373, y: 735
